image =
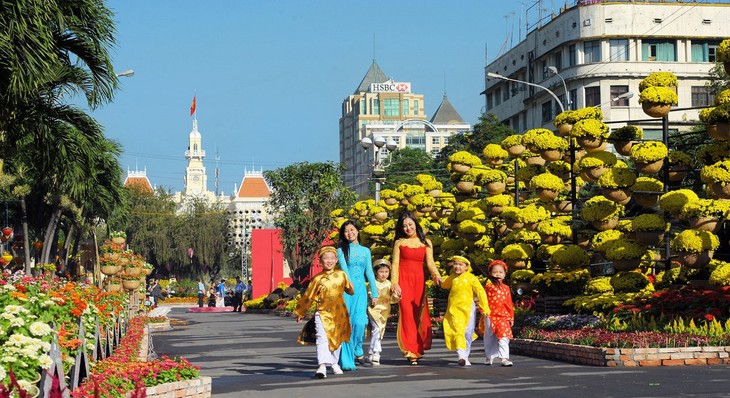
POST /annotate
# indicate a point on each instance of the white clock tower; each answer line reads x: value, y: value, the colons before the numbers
x: 196, y: 182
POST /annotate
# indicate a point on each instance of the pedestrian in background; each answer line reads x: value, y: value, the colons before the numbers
x: 239, y: 290
x: 201, y: 292
x: 498, y: 325
x: 220, y: 292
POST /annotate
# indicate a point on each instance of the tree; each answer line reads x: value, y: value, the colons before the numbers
x: 303, y: 195
x: 719, y: 80
x: 489, y: 130
x: 406, y: 163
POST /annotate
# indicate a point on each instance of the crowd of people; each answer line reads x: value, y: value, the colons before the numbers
x: 359, y: 293
x: 219, y: 295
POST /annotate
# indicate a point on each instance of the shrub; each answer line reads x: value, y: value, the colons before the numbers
x: 566, y: 117
x: 717, y: 172
x: 494, y: 151
x: 570, y: 257
x: 547, y: 181
x: 464, y: 157
x: 706, y: 208
x: 624, y: 249
x: 723, y: 51
x: 629, y: 282
x: 551, y: 141
x: 679, y: 158
x: 673, y: 201
x: 658, y: 79
x: 589, y: 127
x: 530, y: 136
x: 658, y: 95
x: 648, y: 152
x: 649, y: 222
x: 599, y: 208
x: 616, y: 177
x: 627, y: 133
x: 694, y: 241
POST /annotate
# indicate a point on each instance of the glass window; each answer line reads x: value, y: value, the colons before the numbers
x: 435, y: 152
x: 376, y: 106
x: 364, y: 107
x: 558, y: 60
x: 498, y: 96
x: 397, y: 140
x: 545, y: 71
x: 446, y: 140
x: 593, y: 96
x: 573, y: 99
x: 391, y: 107
x: 505, y: 93
x: 547, y: 111
x: 701, y: 96
x: 405, y: 107
x: 617, y: 91
x: 704, y: 51
x: 417, y: 141
x: 619, y: 49
x: 415, y: 107
x: 658, y: 50
x: 490, y: 104
x: 572, y: 55
x: 591, y: 51
x: 515, y: 87
x: 435, y: 140
x: 561, y: 97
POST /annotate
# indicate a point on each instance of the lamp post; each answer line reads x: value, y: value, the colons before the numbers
x: 554, y: 71
x: 498, y: 76
x: 126, y: 73
x: 378, y: 166
x: 627, y: 94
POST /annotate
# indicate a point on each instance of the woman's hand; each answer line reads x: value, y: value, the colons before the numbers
x: 436, y: 279
x: 299, y: 319
x: 395, y: 289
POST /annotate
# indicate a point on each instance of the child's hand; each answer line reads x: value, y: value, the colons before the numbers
x: 299, y: 319
x: 395, y: 289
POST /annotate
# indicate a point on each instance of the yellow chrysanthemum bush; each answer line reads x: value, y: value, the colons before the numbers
x: 494, y: 151
x: 673, y: 201
x: 570, y: 258
x: 599, y: 208
x: 694, y: 241
x: 589, y: 127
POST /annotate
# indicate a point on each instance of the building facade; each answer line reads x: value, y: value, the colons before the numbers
x: 383, y: 107
x: 602, y: 50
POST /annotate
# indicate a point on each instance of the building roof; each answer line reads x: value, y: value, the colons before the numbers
x: 138, y: 180
x: 253, y: 185
x: 374, y: 75
x: 446, y: 114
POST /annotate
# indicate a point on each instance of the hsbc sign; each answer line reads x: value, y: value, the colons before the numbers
x: 390, y: 87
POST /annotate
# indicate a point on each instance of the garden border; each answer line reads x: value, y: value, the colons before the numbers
x: 622, y: 357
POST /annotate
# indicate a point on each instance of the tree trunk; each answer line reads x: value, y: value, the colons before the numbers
x: 50, y: 233
x: 97, y: 270
x: 66, y: 245
x: 26, y: 238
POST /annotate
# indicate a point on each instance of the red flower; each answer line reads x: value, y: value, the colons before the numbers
x: 709, y: 317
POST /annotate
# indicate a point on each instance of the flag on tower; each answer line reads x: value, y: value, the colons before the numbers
x: 192, y: 107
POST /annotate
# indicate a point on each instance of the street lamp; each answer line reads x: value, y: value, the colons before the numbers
x: 378, y: 167
x: 126, y: 73
x: 498, y: 76
x: 554, y: 71
x: 627, y: 94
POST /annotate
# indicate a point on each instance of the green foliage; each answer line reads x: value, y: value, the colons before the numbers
x: 407, y: 163
x: 488, y: 130
x: 627, y: 133
x: 303, y: 195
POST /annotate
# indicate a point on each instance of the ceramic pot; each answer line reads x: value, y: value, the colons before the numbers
x: 649, y: 168
x: 655, y: 109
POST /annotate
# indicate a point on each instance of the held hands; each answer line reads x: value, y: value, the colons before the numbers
x: 395, y: 290
x: 299, y: 319
x: 436, y: 279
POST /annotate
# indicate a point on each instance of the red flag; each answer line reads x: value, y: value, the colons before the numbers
x: 192, y: 107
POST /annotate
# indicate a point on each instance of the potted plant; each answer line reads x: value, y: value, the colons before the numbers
x: 646, y: 191
x: 494, y: 154
x: 559, y: 168
x: 551, y: 147
x: 679, y: 164
x: 673, y: 201
x: 723, y: 54
x: 602, y: 213
x: 694, y: 248
x: 517, y: 255
x: 547, y: 186
x: 118, y: 237
x: 532, y: 214
x: 109, y: 266
x: 706, y: 214
x: 649, y: 228
x: 532, y: 158
x: 717, y: 177
x: 109, y: 249
x: 616, y: 183
x: 513, y: 145
x: 147, y: 269
x: 565, y: 120
x: 657, y: 101
x: 115, y: 285
x: 594, y: 164
x: 553, y: 231
x: 421, y: 203
x: 648, y: 156
x: 530, y: 136
x: 568, y: 258
x: 705, y: 116
x: 471, y: 230
x: 659, y: 79
x: 625, y: 137
x: 130, y: 282
x: 495, y: 181
x: 496, y: 203
x: 721, y: 115
x: 625, y: 254
x: 590, y: 134
x: 433, y: 187
x: 464, y: 182
x: 461, y: 161
x: 525, y: 173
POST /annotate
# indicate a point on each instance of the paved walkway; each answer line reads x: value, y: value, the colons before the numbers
x: 256, y: 355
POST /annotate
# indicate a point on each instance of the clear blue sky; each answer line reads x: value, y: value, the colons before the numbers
x: 270, y: 76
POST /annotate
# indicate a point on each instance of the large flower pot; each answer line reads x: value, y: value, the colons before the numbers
x: 465, y: 186
x: 695, y: 260
x: 723, y: 130
x: 564, y: 206
x: 495, y: 187
x: 550, y: 239
x: 618, y: 195
x: 677, y: 173
x: 515, y: 264
x: 721, y: 191
x: 584, y: 242
x: 495, y: 161
x: 623, y: 147
x: 119, y: 240
x: 531, y: 226
x: 390, y: 201
x: 605, y: 225
x: 133, y: 271
x: 538, y: 160
x: 591, y: 174
x: 626, y: 265
x: 502, y: 229
x: 651, y: 238
x: 546, y: 195
x: 709, y: 224
x: 146, y: 271
x: 110, y: 269
x: 460, y: 168
x: 712, y: 132
x: 655, y: 109
x: 565, y: 128
x: 130, y: 284
x: 516, y: 150
x: 649, y: 168
x: 435, y: 193
x: 591, y: 144
x: 513, y: 225
x: 380, y: 216
x: 646, y: 199
x: 551, y: 155
x: 472, y: 237
x: 115, y: 287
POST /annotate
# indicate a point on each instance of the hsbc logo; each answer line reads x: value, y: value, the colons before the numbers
x: 390, y: 87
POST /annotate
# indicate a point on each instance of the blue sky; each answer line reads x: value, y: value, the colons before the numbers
x: 270, y: 76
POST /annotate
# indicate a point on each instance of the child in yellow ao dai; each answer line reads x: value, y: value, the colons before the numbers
x: 465, y: 297
x: 379, y: 311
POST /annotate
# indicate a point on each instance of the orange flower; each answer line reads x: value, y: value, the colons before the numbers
x: 19, y: 296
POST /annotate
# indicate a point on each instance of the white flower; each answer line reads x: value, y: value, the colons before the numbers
x: 17, y: 322
x: 13, y: 309
x: 7, y: 316
x: 7, y: 359
x: 48, y: 303
x: 3, y: 373
x: 9, y: 287
x: 45, y: 361
x: 24, y: 384
x: 40, y: 329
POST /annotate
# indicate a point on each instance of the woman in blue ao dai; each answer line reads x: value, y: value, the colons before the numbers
x: 357, y: 262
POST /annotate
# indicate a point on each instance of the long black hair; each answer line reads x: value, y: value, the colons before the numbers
x: 344, y: 244
x: 399, y: 234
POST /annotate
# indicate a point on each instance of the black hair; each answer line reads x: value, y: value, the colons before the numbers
x: 344, y: 244
x: 399, y: 234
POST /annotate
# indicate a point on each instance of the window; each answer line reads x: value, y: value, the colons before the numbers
x: 446, y: 140
x: 435, y: 140
x: 435, y: 152
x: 547, y: 111
x: 364, y: 107
x: 397, y: 140
x: 701, y: 96
x: 515, y: 88
x: 593, y: 96
x: 704, y: 51
x: 391, y: 107
x: 617, y: 91
x: 658, y: 50
x: 558, y: 60
x: 573, y: 99
x: 417, y: 141
x: 405, y: 107
x: 376, y: 106
x: 561, y: 97
x: 591, y: 51
x: 415, y: 107
x: 490, y: 104
x: 497, y: 96
x: 572, y: 55
x: 619, y: 49
x: 545, y: 71
x: 505, y: 93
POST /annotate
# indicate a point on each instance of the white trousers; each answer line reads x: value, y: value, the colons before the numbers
x: 468, y: 333
x: 375, y: 347
x: 494, y: 347
x: 324, y: 355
